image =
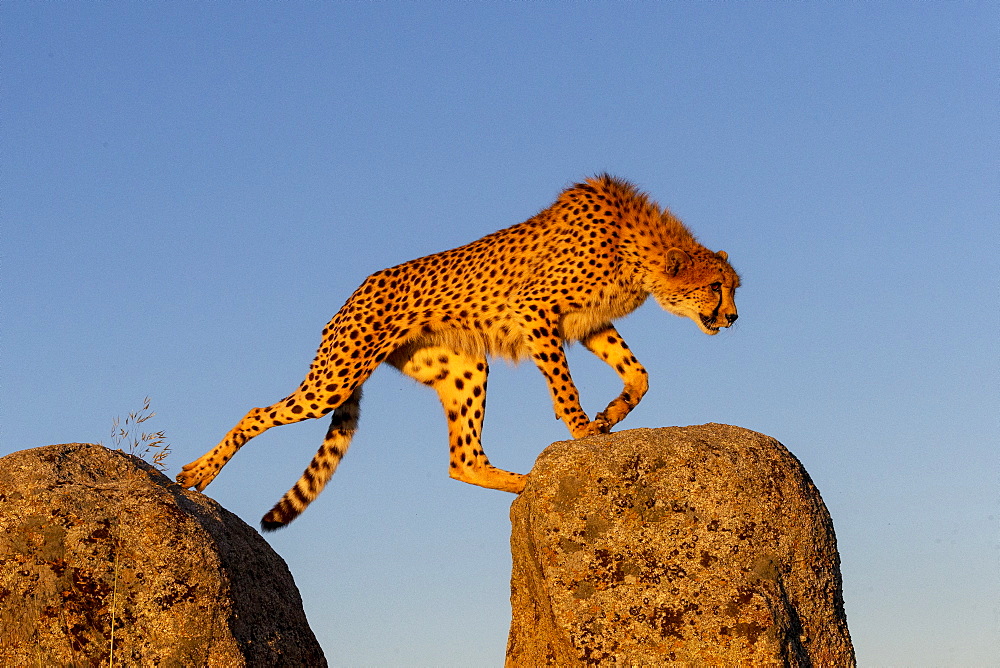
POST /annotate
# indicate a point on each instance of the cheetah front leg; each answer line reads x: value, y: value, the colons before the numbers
x: 547, y: 353
x: 460, y: 382
x: 608, y: 344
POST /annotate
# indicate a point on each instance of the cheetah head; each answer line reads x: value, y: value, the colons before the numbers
x: 698, y: 285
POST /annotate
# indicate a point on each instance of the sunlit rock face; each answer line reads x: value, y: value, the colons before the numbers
x: 104, y: 560
x: 704, y: 545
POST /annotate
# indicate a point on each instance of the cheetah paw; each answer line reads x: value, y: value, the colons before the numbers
x: 600, y: 425
x: 197, y: 474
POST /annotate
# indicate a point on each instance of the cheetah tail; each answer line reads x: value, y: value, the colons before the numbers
x: 343, y: 424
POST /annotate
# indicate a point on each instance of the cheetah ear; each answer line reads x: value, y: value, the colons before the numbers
x: 723, y: 254
x: 677, y: 261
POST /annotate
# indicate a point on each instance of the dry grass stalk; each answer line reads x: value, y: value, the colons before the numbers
x: 151, y: 446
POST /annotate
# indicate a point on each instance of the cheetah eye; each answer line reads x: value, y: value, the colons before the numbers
x: 716, y: 287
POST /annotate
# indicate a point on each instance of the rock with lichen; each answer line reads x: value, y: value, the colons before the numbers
x: 704, y: 545
x: 105, y: 561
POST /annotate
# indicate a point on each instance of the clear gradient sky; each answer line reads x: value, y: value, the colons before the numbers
x: 190, y: 191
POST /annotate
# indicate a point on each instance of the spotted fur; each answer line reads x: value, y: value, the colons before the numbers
x: 564, y: 275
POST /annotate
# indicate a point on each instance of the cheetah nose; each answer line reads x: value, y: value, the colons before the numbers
x: 731, y: 317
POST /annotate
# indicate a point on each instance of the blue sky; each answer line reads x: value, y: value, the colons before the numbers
x: 190, y: 191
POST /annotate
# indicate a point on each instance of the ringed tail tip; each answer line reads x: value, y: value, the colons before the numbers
x: 269, y: 525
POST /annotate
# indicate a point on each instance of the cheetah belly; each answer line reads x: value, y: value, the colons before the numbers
x: 576, y: 325
x: 502, y: 338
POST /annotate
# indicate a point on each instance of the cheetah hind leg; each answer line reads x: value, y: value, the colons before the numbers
x: 203, y: 470
x: 343, y: 424
x: 460, y: 382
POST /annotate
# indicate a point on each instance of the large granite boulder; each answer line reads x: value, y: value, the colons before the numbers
x: 704, y: 545
x: 105, y: 561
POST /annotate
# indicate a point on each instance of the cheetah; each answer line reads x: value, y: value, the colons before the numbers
x: 523, y: 292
